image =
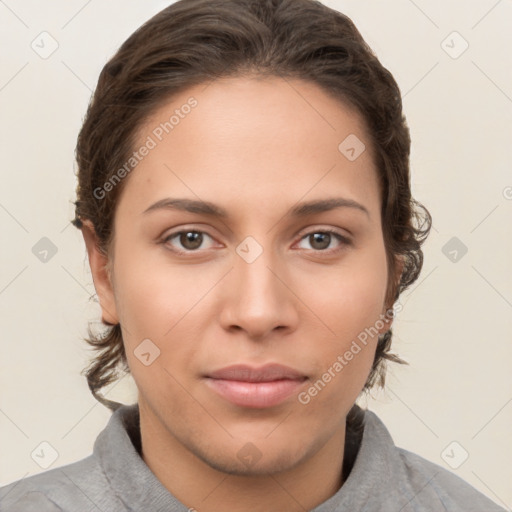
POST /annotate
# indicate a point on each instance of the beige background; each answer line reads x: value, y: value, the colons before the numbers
x: 455, y: 329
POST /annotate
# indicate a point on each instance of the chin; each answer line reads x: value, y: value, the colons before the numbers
x: 261, y: 465
x: 251, y: 458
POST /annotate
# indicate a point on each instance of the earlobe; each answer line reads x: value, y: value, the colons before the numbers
x: 98, y: 262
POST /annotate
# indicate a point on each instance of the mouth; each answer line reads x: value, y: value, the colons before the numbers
x: 258, y: 388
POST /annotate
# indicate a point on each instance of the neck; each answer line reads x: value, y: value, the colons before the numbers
x: 199, y: 486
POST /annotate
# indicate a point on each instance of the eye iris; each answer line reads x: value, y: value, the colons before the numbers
x: 324, y: 239
x: 191, y: 239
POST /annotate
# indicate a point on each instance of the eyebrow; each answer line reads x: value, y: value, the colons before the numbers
x: 188, y: 205
x: 324, y: 205
x: 300, y: 210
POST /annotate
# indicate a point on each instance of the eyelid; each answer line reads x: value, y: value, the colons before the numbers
x: 164, y: 239
x: 343, y: 239
x: 324, y: 229
x: 198, y: 228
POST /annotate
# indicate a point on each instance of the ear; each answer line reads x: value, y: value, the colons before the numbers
x: 399, y: 266
x: 100, y: 273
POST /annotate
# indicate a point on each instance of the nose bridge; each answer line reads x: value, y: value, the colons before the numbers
x: 259, y: 301
x: 257, y: 286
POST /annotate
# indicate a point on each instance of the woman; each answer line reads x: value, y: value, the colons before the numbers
x: 244, y: 197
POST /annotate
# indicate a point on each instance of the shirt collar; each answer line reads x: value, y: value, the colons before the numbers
x: 118, y: 449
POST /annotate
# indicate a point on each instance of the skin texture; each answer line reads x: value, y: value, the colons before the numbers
x: 255, y: 147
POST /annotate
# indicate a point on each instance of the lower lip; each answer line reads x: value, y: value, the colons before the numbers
x: 255, y: 394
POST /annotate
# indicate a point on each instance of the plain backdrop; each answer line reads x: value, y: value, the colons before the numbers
x: 452, y: 61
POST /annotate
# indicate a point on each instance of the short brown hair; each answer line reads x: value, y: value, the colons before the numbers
x: 196, y: 41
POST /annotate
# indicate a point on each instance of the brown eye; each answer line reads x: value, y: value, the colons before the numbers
x: 320, y: 241
x: 191, y: 239
x: 188, y: 241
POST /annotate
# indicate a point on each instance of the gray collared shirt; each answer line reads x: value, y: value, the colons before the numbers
x: 115, y: 478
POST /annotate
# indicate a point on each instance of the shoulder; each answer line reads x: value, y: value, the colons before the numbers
x: 73, y: 487
x: 78, y: 487
x: 424, y: 485
x: 85, y: 485
x: 114, y: 478
x: 451, y: 490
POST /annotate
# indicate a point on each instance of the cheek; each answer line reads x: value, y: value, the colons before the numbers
x: 153, y: 295
x: 350, y: 296
x: 176, y: 307
x: 350, y: 302
x: 165, y: 304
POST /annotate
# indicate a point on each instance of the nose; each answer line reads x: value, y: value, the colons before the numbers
x: 258, y: 299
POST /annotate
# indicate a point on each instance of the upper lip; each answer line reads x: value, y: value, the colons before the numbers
x: 266, y: 373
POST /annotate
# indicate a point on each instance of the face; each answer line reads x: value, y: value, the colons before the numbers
x: 256, y: 277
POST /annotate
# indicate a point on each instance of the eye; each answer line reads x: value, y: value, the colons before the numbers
x: 190, y: 240
x: 322, y: 240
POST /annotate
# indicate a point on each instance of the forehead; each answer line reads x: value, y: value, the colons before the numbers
x: 254, y: 141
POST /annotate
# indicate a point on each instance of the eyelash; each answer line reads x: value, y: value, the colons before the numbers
x: 343, y: 240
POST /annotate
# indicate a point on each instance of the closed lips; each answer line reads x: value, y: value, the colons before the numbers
x: 257, y: 388
x: 267, y: 373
